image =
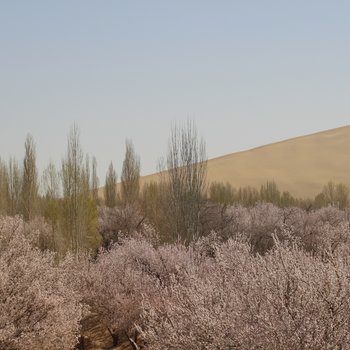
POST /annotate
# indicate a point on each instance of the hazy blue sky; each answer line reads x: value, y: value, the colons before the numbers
x: 248, y: 72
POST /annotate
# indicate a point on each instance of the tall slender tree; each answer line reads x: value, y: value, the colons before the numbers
x: 50, y: 181
x: 269, y: 193
x: 130, y: 178
x: 94, y: 180
x: 14, y: 187
x: 186, y: 175
x: 71, y: 183
x: 30, y: 180
x: 50, y: 203
x: 79, y: 209
x: 110, y: 189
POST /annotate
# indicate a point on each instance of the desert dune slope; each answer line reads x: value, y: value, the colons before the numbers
x: 300, y: 165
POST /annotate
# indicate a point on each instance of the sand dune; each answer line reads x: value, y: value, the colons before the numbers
x: 301, y: 165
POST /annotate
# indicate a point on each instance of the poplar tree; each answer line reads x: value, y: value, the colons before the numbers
x: 186, y: 178
x: 270, y: 193
x: 110, y: 190
x: 79, y: 210
x: 71, y: 184
x: 30, y: 180
x: 94, y: 180
x: 130, y: 178
x: 14, y: 187
x: 88, y: 206
x: 51, y: 202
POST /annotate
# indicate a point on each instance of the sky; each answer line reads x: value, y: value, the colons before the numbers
x: 247, y: 72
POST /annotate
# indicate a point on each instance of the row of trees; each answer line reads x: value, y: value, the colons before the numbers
x: 178, y: 205
x: 130, y: 180
x: 19, y: 186
x: 335, y: 194
x: 67, y: 198
x: 173, y: 204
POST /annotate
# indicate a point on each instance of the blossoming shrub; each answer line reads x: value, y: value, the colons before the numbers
x: 133, y: 270
x: 270, y: 278
x: 38, y: 309
x: 317, y: 230
x: 286, y: 299
x: 276, y: 279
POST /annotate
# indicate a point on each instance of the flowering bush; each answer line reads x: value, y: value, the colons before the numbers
x: 270, y: 278
x: 116, y: 221
x: 37, y: 306
x: 286, y: 299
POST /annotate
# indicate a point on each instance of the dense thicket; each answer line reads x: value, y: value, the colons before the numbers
x: 271, y: 278
x: 219, y: 292
x: 232, y: 299
x: 180, y: 206
x: 39, y: 306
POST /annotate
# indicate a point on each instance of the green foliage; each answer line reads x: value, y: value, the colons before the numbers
x: 247, y: 196
x: 287, y: 200
x: 79, y: 212
x: 222, y: 193
x: 333, y: 194
x: 270, y: 193
x: 155, y: 207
